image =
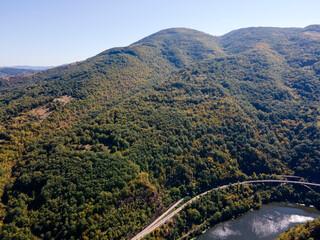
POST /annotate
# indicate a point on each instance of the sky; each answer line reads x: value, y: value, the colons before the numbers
x: 55, y: 32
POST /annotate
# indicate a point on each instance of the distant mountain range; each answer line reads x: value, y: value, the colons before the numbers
x: 20, y: 70
x: 6, y: 71
x: 41, y: 68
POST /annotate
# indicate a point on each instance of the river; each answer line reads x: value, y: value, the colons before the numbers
x: 267, y: 223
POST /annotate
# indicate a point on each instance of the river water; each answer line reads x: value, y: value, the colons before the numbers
x: 267, y: 223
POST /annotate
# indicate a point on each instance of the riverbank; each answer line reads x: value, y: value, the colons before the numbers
x: 229, y: 203
x: 267, y: 223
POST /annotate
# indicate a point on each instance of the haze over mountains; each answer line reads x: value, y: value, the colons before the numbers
x: 5, y: 71
x: 40, y: 68
x: 20, y: 70
x: 97, y: 148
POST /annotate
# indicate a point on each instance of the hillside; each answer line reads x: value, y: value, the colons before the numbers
x: 97, y: 148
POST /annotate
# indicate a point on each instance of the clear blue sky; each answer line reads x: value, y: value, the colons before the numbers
x: 54, y: 32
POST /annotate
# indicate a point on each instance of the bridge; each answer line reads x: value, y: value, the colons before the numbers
x: 172, y: 211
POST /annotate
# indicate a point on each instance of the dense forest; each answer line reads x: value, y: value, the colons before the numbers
x: 97, y: 149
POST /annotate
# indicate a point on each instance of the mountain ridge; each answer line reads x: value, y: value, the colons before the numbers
x: 215, y: 42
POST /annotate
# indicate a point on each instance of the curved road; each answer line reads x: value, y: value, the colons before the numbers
x: 171, y: 212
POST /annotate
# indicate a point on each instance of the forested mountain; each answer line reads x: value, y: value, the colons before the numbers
x: 97, y: 148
